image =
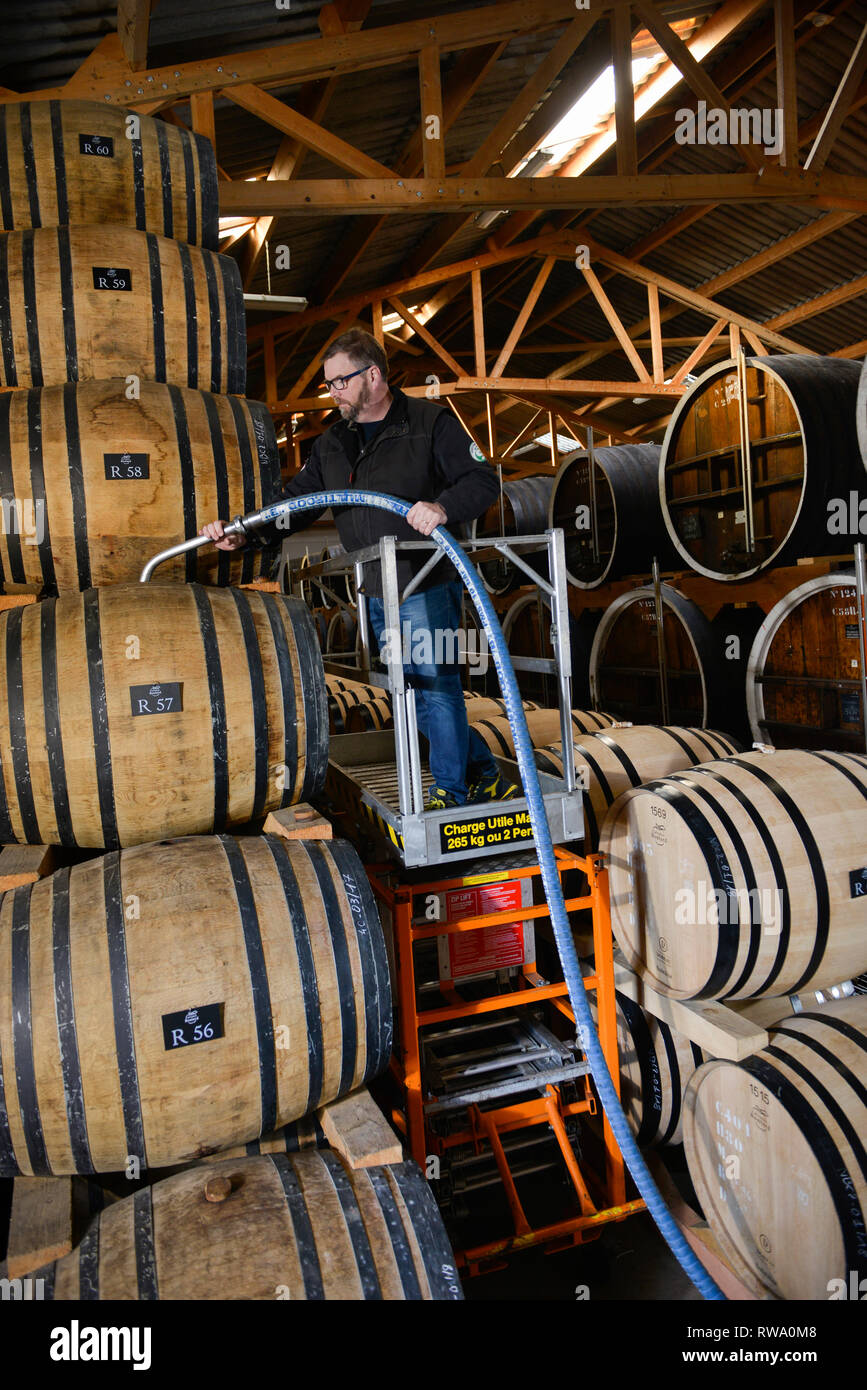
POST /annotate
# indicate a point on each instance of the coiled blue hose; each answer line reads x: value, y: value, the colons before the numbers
x: 550, y: 876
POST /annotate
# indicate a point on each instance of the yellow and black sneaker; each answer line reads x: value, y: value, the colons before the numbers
x: 497, y: 789
x: 438, y: 800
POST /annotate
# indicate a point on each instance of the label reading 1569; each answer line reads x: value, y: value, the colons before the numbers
x: 160, y: 698
x: 190, y: 1026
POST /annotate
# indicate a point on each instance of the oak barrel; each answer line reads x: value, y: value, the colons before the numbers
x: 67, y: 162
x: 341, y: 634
x: 803, y: 454
x: 343, y: 696
x: 626, y: 668
x: 118, y: 968
x: 656, y: 1064
x: 543, y: 726
x: 487, y: 707
x: 373, y: 714
x: 804, y: 672
x: 527, y: 633
x: 609, y: 763
x: 91, y: 303
x: 524, y: 513
x: 136, y: 711
x: 775, y: 1146
x: 744, y: 876
x: 298, y: 1227
x: 612, y: 523
x: 93, y: 483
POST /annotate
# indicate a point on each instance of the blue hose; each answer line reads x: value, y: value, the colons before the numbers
x: 550, y: 876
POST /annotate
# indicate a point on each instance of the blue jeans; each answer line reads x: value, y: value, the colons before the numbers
x: 457, y: 753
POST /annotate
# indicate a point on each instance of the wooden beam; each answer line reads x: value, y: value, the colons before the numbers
x: 431, y: 101
x: 293, y: 62
x: 787, y: 80
x: 133, y: 23
x: 655, y: 332
x: 342, y: 16
x: 373, y: 196
x: 307, y: 132
x: 425, y: 335
x: 839, y: 107
x: 698, y: 353
x: 526, y: 310
x: 697, y: 77
x: 202, y: 113
x: 853, y: 289
x: 616, y: 322
x: 624, y: 92
x: 478, y: 323
x: 347, y: 322
x: 541, y: 386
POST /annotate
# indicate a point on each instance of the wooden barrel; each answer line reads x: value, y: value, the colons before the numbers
x: 136, y: 711
x: 341, y: 634
x: 92, y: 303
x: 94, y: 484
x: 656, y: 1063
x: 375, y: 714
x: 235, y: 985
x: 612, y: 523
x: 543, y: 726
x: 804, y: 673
x: 625, y: 667
x: 306, y: 1133
x: 67, y: 162
x: 608, y: 764
x: 300, y: 1227
x: 803, y: 448
x: 482, y: 707
x: 527, y: 633
x: 775, y: 1149
x: 524, y: 513
x: 742, y: 877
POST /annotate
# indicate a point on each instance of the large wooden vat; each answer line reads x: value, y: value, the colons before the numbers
x: 612, y: 523
x: 609, y: 763
x: 178, y: 998
x: 524, y: 513
x: 300, y: 1227
x: 804, y: 673
x: 527, y: 632
x: 93, y: 483
x: 68, y: 162
x: 775, y: 1148
x: 90, y: 303
x: 803, y: 453
x: 136, y: 711
x: 743, y: 877
x: 627, y: 669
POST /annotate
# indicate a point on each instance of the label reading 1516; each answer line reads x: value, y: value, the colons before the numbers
x: 189, y: 1026
x: 166, y: 697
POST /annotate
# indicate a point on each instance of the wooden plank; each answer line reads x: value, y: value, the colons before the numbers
x: 105, y: 79
x: 839, y: 108
x: 431, y: 94
x: 15, y: 600
x: 202, y: 112
x: 655, y: 332
x: 478, y: 323
x: 426, y: 336
x: 624, y: 91
x: 20, y: 864
x: 308, y: 133
x: 714, y: 1027
x: 614, y: 319
x: 41, y: 1226
x: 343, y: 16
x: 699, y: 351
x: 356, y: 1127
x: 133, y: 24
x: 371, y: 196
x: 301, y: 822
x: 526, y: 310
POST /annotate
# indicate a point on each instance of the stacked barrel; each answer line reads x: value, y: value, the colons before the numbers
x: 189, y: 991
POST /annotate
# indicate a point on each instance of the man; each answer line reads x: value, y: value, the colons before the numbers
x: 416, y: 450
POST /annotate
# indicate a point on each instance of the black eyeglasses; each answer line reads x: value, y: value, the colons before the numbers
x: 338, y: 383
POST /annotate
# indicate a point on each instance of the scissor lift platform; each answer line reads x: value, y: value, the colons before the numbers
x: 363, y: 779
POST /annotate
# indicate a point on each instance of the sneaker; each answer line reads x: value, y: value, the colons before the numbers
x: 486, y: 789
x: 438, y: 800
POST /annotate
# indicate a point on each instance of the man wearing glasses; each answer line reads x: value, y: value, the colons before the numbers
x: 414, y: 449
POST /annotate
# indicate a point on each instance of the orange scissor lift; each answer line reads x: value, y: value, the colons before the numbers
x: 600, y: 1196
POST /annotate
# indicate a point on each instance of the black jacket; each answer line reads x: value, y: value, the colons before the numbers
x: 420, y: 453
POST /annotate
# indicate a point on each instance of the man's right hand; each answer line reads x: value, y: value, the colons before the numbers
x: 214, y: 529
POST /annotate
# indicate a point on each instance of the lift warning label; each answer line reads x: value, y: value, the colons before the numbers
x: 461, y: 837
x: 488, y: 948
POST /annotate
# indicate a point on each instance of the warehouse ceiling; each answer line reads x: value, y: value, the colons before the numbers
x: 623, y: 290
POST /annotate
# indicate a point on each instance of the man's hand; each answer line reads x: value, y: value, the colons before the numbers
x: 426, y: 516
x: 214, y: 529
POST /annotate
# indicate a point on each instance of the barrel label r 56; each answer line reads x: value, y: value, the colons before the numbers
x: 190, y: 1026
